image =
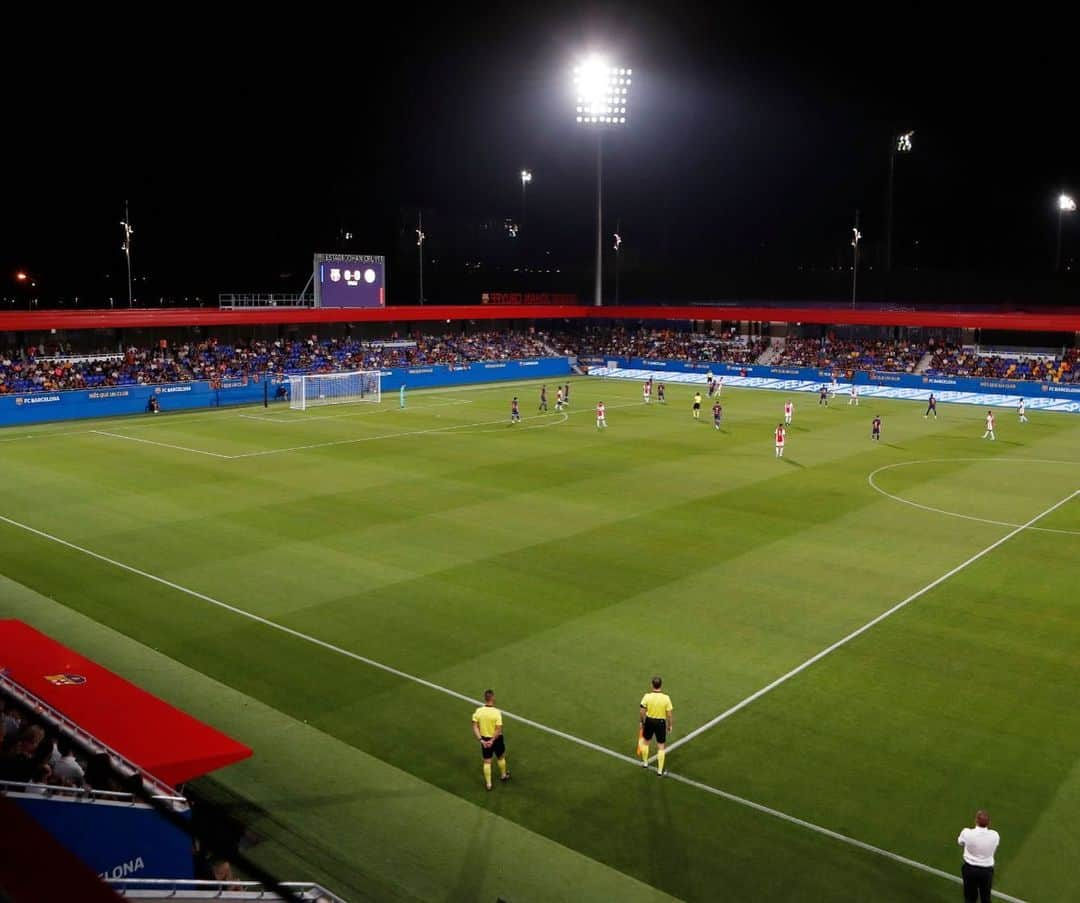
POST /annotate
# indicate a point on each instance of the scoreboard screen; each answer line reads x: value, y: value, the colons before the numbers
x: 350, y: 280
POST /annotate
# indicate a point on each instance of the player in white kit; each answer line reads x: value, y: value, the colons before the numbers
x: 789, y: 409
x: 989, y: 426
x: 1022, y: 412
x: 601, y: 419
x: 646, y: 391
x: 781, y: 435
x: 853, y: 397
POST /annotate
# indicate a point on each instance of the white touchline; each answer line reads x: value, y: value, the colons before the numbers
x: 835, y: 835
x: 403, y: 434
x: 784, y: 678
x: 404, y: 675
x: 197, y: 451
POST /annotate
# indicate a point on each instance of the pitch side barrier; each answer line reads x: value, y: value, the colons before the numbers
x: 871, y: 383
x: 110, y: 401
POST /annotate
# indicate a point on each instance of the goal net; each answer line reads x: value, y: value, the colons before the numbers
x: 334, y: 388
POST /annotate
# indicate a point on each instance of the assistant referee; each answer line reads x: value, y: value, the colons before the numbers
x: 979, y: 843
x: 487, y: 726
x: 655, y: 717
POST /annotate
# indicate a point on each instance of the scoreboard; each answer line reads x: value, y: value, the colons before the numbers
x: 350, y: 280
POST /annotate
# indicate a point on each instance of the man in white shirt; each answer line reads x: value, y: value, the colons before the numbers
x: 979, y: 843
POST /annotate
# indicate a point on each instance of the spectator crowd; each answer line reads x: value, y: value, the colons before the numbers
x: 832, y: 353
x: 660, y: 344
x: 954, y: 360
x: 34, y: 370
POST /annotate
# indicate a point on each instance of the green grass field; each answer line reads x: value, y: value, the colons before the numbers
x: 564, y: 566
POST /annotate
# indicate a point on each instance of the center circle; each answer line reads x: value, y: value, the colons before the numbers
x: 983, y: 520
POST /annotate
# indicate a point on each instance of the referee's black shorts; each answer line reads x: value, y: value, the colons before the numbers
x: 497, y: 749
x: 655, y: 727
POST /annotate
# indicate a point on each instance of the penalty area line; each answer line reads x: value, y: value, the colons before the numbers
x: 463, y: 697
x: 784, y: 678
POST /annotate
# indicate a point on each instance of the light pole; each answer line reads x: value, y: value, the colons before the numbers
x: 602, y: 96
x: 420, y: 250
x: 128, y: 231
x: 901, y: 144
x: 856, y: 237
x: 617, y: 238
x: 1066, y: 204
x: 526, y: 178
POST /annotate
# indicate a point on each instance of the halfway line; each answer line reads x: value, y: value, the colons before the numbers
x: 865, y: 627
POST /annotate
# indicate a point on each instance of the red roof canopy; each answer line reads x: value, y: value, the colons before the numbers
x: 1066, y: 320
x: 148, y: 732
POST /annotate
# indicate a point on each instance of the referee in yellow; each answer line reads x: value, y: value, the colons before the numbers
x: 655, y: 722
x: 487, y: 727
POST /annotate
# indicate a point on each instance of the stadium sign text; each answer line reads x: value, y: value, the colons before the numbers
x: 112, y: 393
x: 124, y: 869
x: 37, y: 399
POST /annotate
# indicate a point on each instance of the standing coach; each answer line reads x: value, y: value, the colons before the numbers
x: 979, y: 843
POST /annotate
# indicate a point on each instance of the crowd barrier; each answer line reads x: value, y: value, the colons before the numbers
x: 972, y: 385
x: 39, y: 407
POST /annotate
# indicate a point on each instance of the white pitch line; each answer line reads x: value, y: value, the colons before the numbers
x: 580, y: 741
x: 197, y: 451
x: 401, y: 435
x: 982, y: 520
x: 835, y: 835
x: 753, y: 697
x: 266, y: 622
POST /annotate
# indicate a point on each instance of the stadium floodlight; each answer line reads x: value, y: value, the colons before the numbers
x: 526, y: 177
x: 901, y: 144
x: 603, y: 93
x: 1066, y: 204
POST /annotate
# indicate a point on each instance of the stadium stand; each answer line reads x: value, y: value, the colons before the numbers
x: 661, y: 343
x: 954, y: 360
x: 894, y: 356
x: 35, y: 370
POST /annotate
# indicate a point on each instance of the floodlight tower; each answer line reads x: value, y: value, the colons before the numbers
x: 126, y: 248
x: 1066, y: 204
x: 526, y: 178
x: 603, y: 93
x: 901, y: 144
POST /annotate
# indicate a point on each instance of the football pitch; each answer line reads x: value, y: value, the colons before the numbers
x: 864, y: 642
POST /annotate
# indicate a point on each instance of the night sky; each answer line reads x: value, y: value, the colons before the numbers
x: 753, y: 136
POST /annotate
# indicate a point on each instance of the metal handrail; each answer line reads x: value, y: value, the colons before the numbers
x: 252, y: 890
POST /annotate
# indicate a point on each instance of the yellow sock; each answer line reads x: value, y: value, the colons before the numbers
x: 643, y: 750
x: 487, y: 773
x: 659, y: 760
x: 502, y: 767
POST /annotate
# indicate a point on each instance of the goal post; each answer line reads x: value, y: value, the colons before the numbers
x: 317, y: 389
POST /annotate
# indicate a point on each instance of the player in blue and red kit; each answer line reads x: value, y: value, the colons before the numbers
x: 823, y: 396
x: 931, y: 406
x: 515, y: 413
x: 717, y: 415
x: 660, y: 393
x: 543, y: 399
x: 875, y: 428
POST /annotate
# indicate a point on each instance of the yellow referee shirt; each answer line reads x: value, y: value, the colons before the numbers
x: 489, y: 718
x: 656, y: 705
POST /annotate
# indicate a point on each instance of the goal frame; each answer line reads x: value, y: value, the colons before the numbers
x: 304, y: 389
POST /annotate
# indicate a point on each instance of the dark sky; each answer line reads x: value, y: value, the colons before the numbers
x: 244, y: 145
